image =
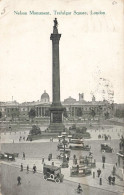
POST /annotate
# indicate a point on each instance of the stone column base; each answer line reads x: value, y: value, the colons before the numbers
x: 56, y: 127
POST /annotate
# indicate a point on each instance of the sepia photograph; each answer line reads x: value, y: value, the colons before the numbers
x: 61, y: 97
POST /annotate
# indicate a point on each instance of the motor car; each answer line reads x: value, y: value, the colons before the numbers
x: 1, y: 156
x: 52, y: 173
x: 61, y: 145
x: 106, y: 148
x: 9, y: 156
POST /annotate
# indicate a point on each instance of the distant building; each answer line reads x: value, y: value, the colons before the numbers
x: 74, y: 109
x: 45, y: 97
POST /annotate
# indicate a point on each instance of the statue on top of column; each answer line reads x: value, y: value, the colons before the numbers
x: 55, y: 23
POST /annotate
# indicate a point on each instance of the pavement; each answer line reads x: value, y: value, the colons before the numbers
x: 88, y: 180
x: 11, y: 140
x: 114, y: 131
x: 34, y: 184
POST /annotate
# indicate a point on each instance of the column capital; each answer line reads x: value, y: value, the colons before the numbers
x: 55, y: 38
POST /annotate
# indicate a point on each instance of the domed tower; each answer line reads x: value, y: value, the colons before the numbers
x: 45, y: 97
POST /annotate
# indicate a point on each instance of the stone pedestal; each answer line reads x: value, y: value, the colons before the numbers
x: 56, y: 119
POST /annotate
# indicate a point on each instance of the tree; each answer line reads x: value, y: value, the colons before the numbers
x: 15, y: 113
x: 35, y: 130
x: 92, y: 113
x: 32, y: 113
x: 73, y: 127
x: 0, y: 114
x: 82, y: 130
x: 106, y: 115
x: 119, y: 113
x: 99, y: 111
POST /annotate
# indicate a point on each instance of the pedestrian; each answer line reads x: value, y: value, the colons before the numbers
x: 42, y: 160
x: 79, y: 188
x: 21, y: 167
x: 77, y: 168
x: 75, y: 161
x: 98, y: 172
x: 49, y: 158
x: 27, y: 168
x: 114, y: 170
x: 34, y: 169
x: 19, y: 180
x: 23, y: 155
x: 103, y: 158
x: 90, y: 153
x: 119, y: 160
x: 113, y: 180
x: 86, y: 160
x: 109, y: 179
x: 120, y: 145
x: 103, y: 166
x: 100, y: 181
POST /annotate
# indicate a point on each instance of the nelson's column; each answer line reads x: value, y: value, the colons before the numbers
x: 56, y: 109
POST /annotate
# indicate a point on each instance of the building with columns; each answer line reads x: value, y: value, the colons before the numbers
x: 73, y: 108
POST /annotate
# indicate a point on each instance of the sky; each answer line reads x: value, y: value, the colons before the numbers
x: 91, y: 49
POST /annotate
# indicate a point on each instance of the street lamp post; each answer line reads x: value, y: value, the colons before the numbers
x: 65, y: 162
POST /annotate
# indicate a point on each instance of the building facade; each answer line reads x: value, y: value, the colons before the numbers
x: 74, y: 109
